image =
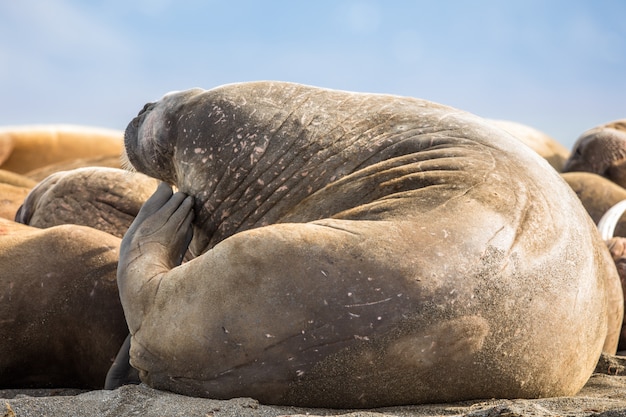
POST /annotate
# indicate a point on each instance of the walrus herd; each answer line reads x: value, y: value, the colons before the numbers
x: 310, y: 247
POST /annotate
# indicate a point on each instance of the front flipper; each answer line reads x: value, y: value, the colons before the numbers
x: 160, y: 235
x: 165, y: 221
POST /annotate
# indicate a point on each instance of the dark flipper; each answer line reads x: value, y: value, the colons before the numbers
x: 121, y: 373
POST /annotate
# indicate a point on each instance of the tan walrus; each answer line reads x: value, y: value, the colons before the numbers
x: 106, y: 199
x: 355, y: 250
x: 27, y: 148
x: 61, y: 319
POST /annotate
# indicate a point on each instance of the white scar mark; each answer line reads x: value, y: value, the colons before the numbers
x: 93, y: 290
x: 371, y: 303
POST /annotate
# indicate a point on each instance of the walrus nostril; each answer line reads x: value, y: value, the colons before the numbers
x: 146, y: 108
x: 137, y: 120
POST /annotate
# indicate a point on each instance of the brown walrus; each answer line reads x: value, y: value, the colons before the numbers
x: 61, y: 319
x: 355, y: 250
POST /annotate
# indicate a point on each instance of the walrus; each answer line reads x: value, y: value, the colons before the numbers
x: 542, y: 143
x: 40, y: 174
x: 13, y: 189
x: 30, y: 147
x: 18, y: 180
x: 601, y: 150
x: 11, y: 198
x: 107, y: 199
x: 355, y: 250
x: 61, y: 318
x: 6, y: 147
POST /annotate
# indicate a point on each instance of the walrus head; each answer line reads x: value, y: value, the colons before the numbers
x: 161, y: 142
x: 602, y: 151
x: 148, y: 147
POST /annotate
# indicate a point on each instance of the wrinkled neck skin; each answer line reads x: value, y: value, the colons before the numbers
x: 251, y: 157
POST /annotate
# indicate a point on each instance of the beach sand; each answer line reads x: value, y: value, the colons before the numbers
x: 603, y: 395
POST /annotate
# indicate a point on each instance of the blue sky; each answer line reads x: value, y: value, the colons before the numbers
x: 556, y: 65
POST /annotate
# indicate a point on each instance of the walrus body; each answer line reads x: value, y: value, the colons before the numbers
x: 107, y: 161
x: 13, y: 189
x: 61, y: 319
x: 12, y: 197
x: 355, y: 250
x: 27, y: 148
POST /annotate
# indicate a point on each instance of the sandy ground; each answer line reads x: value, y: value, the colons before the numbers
x: 603, y: 395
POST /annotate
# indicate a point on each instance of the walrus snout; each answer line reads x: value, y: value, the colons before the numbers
x: 21, y: 216
x: 128, y: 158
x: 133, y: 134
x: 146, y: 145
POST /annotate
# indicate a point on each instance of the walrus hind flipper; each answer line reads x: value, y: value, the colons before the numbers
x: 121, y: 373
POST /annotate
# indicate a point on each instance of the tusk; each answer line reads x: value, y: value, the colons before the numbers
x: 609, y: 220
